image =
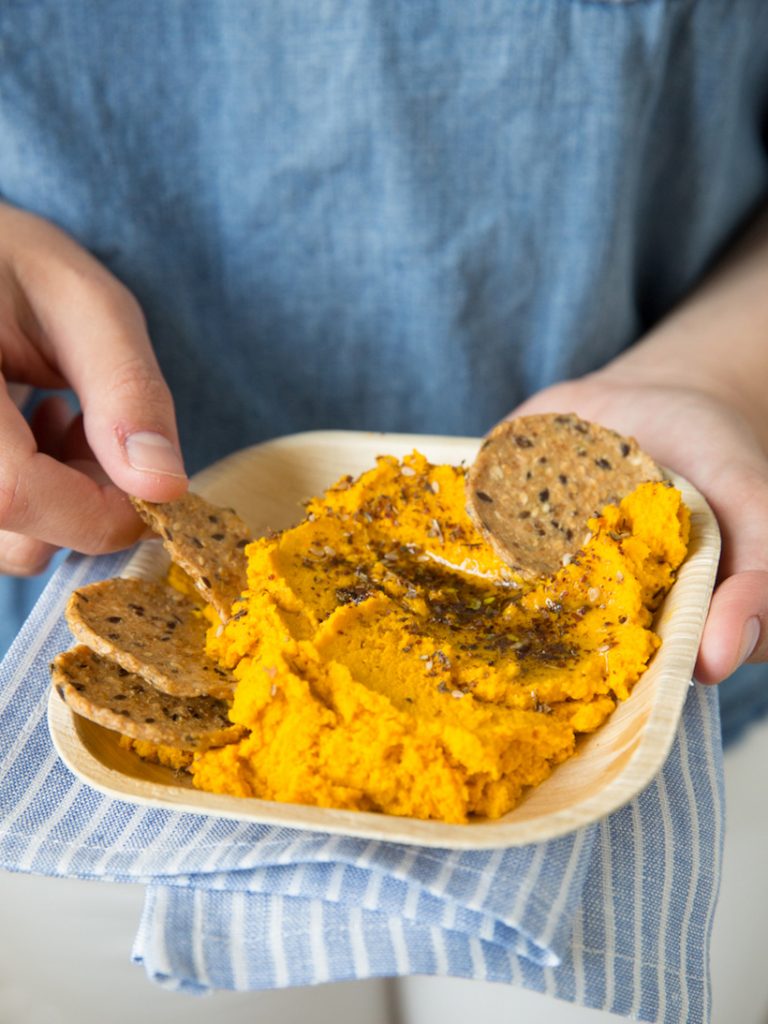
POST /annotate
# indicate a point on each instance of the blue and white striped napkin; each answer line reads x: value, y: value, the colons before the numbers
x: 614, y: 916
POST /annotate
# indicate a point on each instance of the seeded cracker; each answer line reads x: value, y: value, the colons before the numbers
x: 207, y: 542
x: 152, y: 630
x: 538, y: 479
x: 101, y: 691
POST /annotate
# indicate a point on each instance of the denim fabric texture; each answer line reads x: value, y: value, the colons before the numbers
x: 388, y: 215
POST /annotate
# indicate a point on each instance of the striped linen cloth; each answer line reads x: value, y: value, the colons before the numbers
x: 614, y: 916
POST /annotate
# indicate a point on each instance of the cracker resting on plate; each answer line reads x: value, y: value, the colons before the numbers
x: 103, y: 692
x: 150, y: 629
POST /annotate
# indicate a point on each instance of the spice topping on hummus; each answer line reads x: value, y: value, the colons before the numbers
x: 386, y: 659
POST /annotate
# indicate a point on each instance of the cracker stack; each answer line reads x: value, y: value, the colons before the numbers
x: 141, y: 666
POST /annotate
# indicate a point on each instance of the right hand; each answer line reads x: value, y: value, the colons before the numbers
x: 66, y: 322
x: 707, y: 437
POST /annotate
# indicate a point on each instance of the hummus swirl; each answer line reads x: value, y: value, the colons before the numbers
x: 387, y: 660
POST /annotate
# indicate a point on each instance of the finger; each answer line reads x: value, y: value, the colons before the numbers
x: 738, y: 495
x: 44, y: 499
x: 737, y: 626
x: 74, y: 445
x: 96, y: 334
x: 91, y: 469
x: 72, y: 448
x: 23, y: 556
x: 62, y: 436
x: 63, y: 506
x: 49, y: 423
x: 19, y: 393
x: 87, y: 465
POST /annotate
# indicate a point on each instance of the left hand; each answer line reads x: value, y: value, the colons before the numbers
x: 702, y: 435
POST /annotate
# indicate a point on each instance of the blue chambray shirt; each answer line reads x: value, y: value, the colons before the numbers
x: 387, y: 215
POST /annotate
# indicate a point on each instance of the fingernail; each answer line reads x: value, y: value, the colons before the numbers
x: 153, y: 453
x: 749, y: 639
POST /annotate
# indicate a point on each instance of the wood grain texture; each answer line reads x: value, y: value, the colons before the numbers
x: 266, y: 484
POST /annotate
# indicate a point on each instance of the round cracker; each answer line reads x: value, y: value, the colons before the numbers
x: 538, y: 479
x: 150, y: 629
x: 103, y: 692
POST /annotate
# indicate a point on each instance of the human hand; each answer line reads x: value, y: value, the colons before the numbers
x: 66, y: 322
x: 703, y: 435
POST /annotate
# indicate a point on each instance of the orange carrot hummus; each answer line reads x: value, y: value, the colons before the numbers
x: 387, y: 660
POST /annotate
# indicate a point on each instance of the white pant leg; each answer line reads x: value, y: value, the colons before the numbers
x: 739, y: 972
x: 65, y: 951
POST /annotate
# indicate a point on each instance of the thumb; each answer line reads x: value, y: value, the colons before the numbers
x: 737, y: 626
x: 95, y: 333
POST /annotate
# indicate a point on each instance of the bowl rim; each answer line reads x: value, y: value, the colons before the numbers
x: 90, y: 751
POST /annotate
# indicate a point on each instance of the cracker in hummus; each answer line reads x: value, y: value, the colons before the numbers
x: 205, y: 541
x: 537, y: 480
